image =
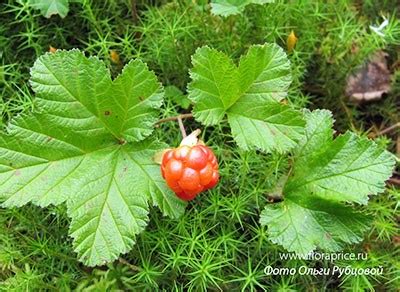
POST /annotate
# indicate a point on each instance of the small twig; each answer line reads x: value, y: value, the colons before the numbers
x: 182, y: 127
x: 388, y: 129
x: 132, y: 267
x: 135, y: 15
x: 182, y: 116
x: 394, y: 181
x: 179, y: 119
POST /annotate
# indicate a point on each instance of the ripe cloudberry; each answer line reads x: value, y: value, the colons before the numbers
x: 190, y: 169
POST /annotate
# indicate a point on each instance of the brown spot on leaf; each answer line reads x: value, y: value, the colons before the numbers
x: 107, y: 113
x: 49, y: 139
x: 141, y: 98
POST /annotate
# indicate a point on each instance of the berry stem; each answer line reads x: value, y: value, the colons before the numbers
x: 192, y: 139
x: 179, y: 119
x: 182, y: 127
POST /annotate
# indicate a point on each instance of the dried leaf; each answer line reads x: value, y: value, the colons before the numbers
x: 370, y: 81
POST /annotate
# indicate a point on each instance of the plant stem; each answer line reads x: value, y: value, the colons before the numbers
x: 389, y: 129
x: 135, y: 15
x: 182, y: 127
x: 394, y: 181
x: 179, y: 119
x: 182, y: 116
x: 132, y: 267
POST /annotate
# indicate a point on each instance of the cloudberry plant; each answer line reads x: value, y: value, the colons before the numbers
x: 89, y: 143
x: 190, y: 169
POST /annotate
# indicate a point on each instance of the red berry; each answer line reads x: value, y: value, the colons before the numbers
x: 190, y: 170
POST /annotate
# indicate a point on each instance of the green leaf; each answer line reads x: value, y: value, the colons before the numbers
x: 249, y: 94
x: 232, y: 7
x: 267, y: 125
x: 51, y: 7
x: 177, y: 96
x: 227, y: 7
x: 81, y: 146
x: 214, y: 86
x: 326, y: 174
x: 347, y: 168
x: 84, y: 86
x: 261, y: 1
x: 111, y: 207
x: 301, y: 227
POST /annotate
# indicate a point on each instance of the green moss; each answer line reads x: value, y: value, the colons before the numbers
x: 218, y: 243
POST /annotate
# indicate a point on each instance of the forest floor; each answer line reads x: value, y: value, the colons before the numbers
x: 218, y: 243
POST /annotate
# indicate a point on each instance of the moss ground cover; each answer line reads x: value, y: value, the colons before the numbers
x: 218, y: 243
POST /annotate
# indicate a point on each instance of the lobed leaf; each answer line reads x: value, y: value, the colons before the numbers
x: 51, y: 7
x: 83, y: 146
x: 302, y: 226
x: 267, y: 125
x: 249, y: 95
x: 112, y: 206
x: 68, y: 83
x: 326, y: 174
x: 232, y: 7
x: 214, y: 85
x: 348, y: 168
